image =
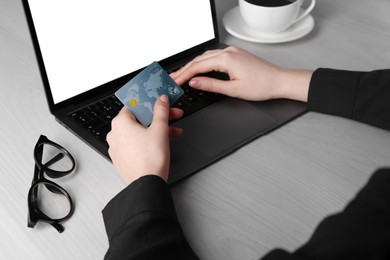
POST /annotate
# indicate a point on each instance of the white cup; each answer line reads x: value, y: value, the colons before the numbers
x: 264, y: 19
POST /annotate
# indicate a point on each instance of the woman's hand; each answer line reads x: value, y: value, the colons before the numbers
x: 136, y: 150
x: 251, y: 78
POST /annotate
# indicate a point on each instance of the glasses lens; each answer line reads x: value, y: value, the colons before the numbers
x: 52, y: 200
x: 56, y: 159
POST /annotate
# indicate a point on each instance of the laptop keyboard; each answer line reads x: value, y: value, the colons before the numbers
x: 96, y: 118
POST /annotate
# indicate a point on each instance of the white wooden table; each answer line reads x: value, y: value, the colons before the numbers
x: 271, y: 193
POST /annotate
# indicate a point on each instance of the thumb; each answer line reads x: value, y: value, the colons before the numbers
x: 161, y: 111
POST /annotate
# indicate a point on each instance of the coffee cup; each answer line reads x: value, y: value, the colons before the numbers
x: 272, y: 16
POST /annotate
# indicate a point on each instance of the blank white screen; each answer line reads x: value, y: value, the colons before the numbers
x: 86, y: 43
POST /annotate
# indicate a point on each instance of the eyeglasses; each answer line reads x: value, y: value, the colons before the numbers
x: 47, y: 201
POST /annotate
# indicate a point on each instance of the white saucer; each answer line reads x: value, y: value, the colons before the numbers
x: 236, y: 26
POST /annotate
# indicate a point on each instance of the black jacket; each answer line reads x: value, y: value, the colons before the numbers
x: 141, y: 221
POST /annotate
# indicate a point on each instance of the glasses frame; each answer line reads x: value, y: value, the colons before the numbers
x: 34, y: 212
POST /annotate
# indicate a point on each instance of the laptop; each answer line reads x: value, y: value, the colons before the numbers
x: 87, y: 49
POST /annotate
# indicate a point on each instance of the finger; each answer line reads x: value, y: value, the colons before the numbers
x: 175, y: 113
x: 175, y: 132
x: 199, y: 65
x: 124, y: 112
x: 161, y: 111
x: 225, y: 87
x: 205, y: 55
x: 198, y: 68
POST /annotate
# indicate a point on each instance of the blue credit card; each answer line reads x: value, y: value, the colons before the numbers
x: 141, y: 93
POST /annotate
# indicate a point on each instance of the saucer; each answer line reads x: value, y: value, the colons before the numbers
x: 235, y: 25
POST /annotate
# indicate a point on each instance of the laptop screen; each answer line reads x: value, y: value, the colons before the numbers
x: 87, y: 43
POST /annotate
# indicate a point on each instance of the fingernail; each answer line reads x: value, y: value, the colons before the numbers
x: 164, y: 98
x: 194, y: 83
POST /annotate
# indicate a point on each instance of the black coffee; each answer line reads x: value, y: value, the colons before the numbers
x: 270, y: 3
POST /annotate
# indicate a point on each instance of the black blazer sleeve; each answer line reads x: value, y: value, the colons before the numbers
x: 361, y: 96
x: 141, y: 223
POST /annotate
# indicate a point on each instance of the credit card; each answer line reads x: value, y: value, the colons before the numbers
x: 141, y: 93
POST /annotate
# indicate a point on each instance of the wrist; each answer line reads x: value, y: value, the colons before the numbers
x: 293, y: 84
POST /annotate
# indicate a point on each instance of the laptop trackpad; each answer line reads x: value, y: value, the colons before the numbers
x: 224, y: 127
